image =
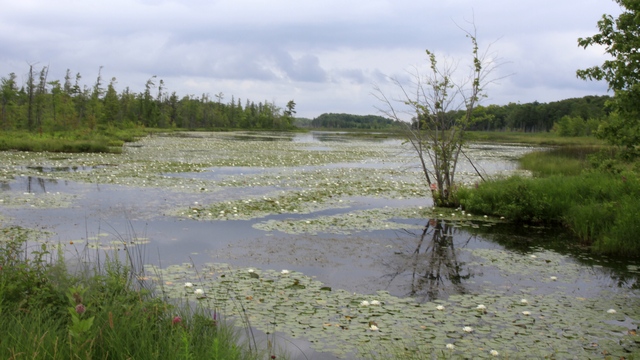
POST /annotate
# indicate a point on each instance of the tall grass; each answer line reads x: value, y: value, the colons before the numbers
x: 49, y: 312
x: 600, y: 208
x: 565, y: 160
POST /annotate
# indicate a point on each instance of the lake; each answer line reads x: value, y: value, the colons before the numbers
x: 329, y: 241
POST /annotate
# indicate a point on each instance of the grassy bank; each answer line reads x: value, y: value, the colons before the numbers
x: 537, y: 138
x: 49, y: 312
x: 583, y: 190
x: 105, y: 140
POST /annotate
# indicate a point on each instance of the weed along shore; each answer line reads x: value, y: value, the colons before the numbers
x: 320, y: 245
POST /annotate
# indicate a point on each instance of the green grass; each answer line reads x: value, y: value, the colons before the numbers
x: 538, y: 138
x: 564, y: 160
x: 49, y: 312
x: 599, y: 208
x: 103, y: 140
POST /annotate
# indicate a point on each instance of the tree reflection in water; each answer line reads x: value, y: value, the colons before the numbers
x: 432, y: 265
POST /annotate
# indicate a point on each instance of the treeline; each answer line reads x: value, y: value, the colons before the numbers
x: 570, y: 117
x: 348, y: 121
x: 41, y: 105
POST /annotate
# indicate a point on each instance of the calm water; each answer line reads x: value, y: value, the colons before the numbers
x: 433, y: 262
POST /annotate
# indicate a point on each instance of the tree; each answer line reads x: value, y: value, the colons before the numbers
x: 621, y: 39
x: 435, y: 134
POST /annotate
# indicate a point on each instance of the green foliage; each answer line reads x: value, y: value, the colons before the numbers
x: 563, y: 160
x: 621, y: 39
x: 48, y: 313
x: 46, y: 107
x: 594, y: 205
x: 348, y: 121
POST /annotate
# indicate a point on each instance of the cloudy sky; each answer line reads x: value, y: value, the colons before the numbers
x: 326, y: 55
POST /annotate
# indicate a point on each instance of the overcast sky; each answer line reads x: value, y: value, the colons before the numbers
x: 326, y: 55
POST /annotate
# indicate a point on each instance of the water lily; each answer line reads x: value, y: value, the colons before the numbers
x: 524, y: 301
x: 251, y: 270
x: 199, y: 292
x: 526, y: 313
x: 494, y: 353
x: 481, y: 307
x: 440, y: 307
x: 284, y: 272
x: 553, y: 278
x: 451, y: 346
x: 188, y: 285
x: 364, y: 303
x: 467, y: 329
x: 375, y: 302
x: 373, y: 328
x: 611, y: 311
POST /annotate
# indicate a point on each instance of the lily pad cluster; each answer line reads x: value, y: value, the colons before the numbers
x: 513, y: 324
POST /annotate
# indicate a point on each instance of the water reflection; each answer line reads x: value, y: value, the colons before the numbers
x: 432, y: 264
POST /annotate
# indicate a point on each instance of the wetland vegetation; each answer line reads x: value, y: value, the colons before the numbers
x: 320, y: 241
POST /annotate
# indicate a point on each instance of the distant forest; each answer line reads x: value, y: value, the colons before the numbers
x: 570, y: 117
x: 41, y: 104
x: 45, y: 105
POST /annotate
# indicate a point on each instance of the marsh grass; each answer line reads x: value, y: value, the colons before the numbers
x: 565, y: 160
x: 49, y: 312
x: 600, y: 208
x: 102, y: 140
x: 538, y: 138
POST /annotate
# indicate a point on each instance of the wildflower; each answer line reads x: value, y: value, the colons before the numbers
x: 451, y: 346
x: 80, y: 309
x: 284, y: 272
x: 494, y: 353
x: 526, y: 313
x: 440, y: 307
x: 373, y: 328
x: 611, y: 311
x: 467, y: 329
x: 364, y: 303
x: 481, y: 307
x: 375, y: 302
x: 176, y: 320
x: 188, y: 285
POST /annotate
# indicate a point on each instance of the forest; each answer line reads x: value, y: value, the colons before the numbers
x: 43, y: 105
x: 569, y: 117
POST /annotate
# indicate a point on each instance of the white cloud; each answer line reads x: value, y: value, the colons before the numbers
x: 324, y: 54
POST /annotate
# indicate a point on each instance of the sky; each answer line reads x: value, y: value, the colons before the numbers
x: 326, y: 55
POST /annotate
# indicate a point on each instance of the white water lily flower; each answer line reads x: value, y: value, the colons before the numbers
x: 199, y: 292
x: 481, y: 307
x: 451, y: 346
x: 284, y: 272
x: 611, y: 311
x: 467, y: 329
x: 526, y: 313
x: 494, y: 353
x: 375, y: 302
x: 533, y: 256
x: 188, y: 285
x: 553, y: 278
x: 373, y: 328
x: 440, y: 307
x: 524, y: 301
x: 364, y: 303
x: 250, y: 270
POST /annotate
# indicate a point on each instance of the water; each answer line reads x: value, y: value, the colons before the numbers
x: 431, y: 259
